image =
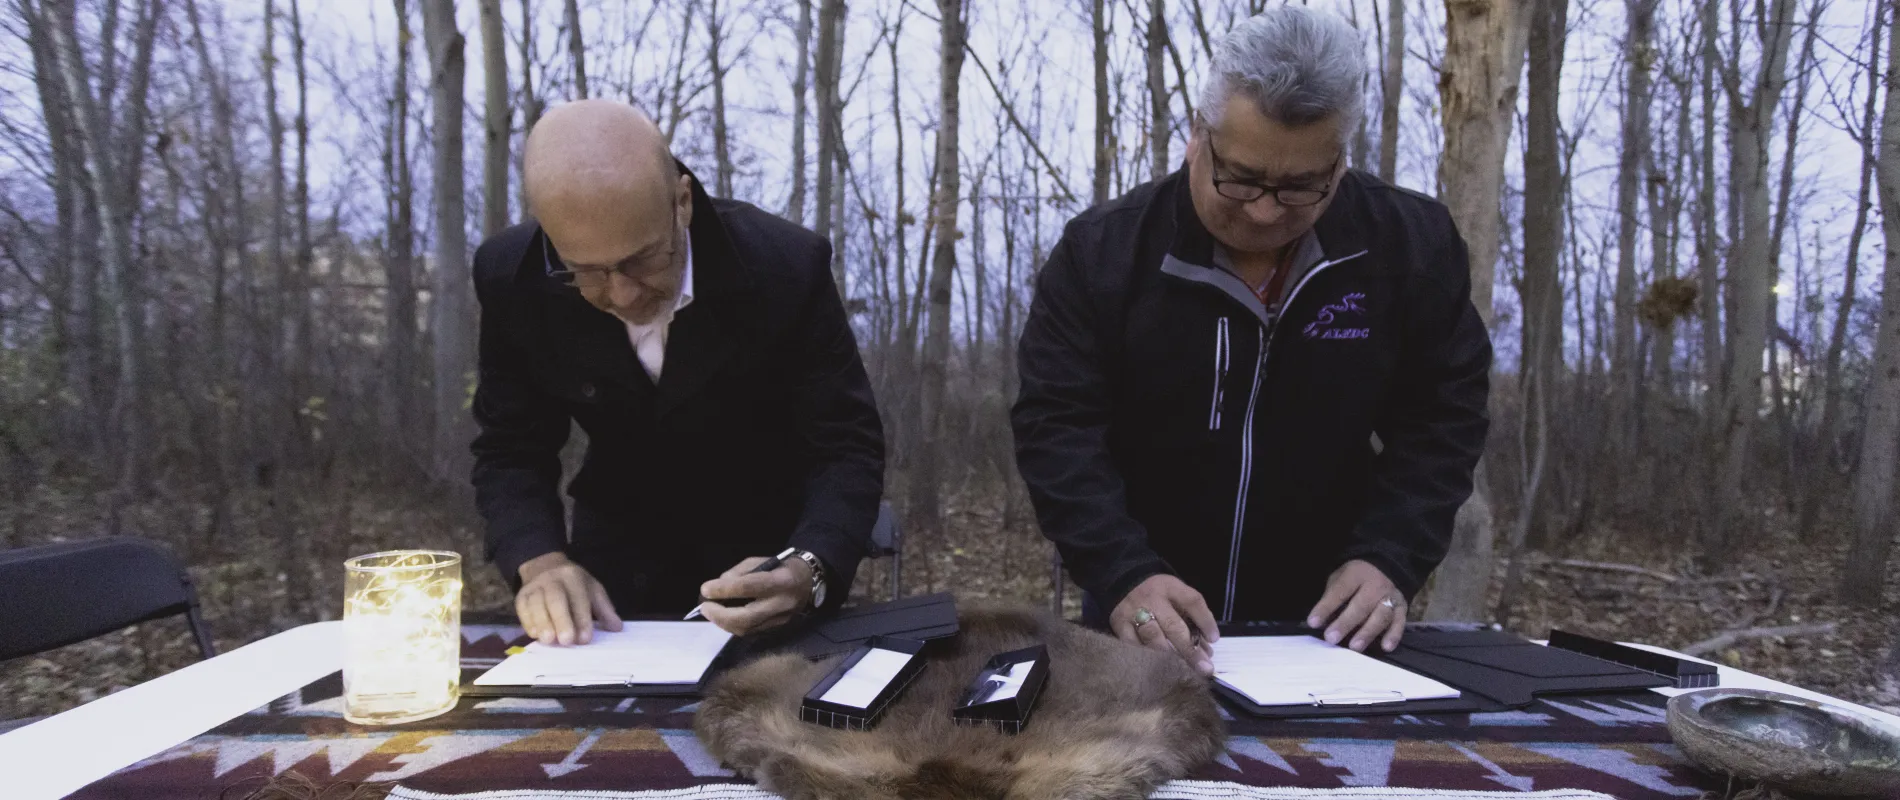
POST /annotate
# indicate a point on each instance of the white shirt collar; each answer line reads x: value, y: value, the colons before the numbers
x: 686, y: 280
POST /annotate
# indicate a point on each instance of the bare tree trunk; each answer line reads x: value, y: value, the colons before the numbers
x: 926, y: 489
x: 72, y: 362
x: 291, y: 533
x: 112, y: 178
x: 722, y: 146
x: 904, y: 359
x: 801, y: 115
x: 830, y: 66
x: 270, y: 443
x: 1544, y: 189
x: 498, y: 119
x: 1865, y: 575
x: 306, y: 256
x: 1157, y: 90
x: 451, y: 312
x: 1392, y: 87
x: 401, y: 367
x: 1749, y: 121
x: 576, y: 49
x: 1706, y: 241
x: 1830, y: 371
x: 1104, y: 149
x: 1484, y: 57
x: 1545, y: 185
x: 530, y: 103
x: 1639, y: 56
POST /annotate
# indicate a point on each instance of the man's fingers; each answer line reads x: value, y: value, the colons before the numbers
x: 578, y: 608
x: 1375, y: 626
x: 1149, y: 635
x: 752, y: 616
x: 1183, y: 641
x: 1337, y: 593
x: 534, y: 614
x: 1124, y: 630
x: 560, y: 620
x: 1352, y: 617
x: 1194, y: 608
x: 1396, y: 630
x: 603, y: 606
x: 743, y: 567
x: 755, y: 585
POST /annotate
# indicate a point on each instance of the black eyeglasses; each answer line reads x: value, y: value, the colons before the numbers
x: 1248, y: 191
x: 635, y: 268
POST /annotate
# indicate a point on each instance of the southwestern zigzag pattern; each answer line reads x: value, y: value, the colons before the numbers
x: 1614, y: 744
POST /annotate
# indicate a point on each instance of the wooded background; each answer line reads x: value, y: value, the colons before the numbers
x: 235, y: 308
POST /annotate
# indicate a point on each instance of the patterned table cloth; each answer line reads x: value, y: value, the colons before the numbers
x: 631, y: 747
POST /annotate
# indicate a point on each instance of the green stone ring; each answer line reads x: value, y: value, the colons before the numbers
x: 1143, y: 616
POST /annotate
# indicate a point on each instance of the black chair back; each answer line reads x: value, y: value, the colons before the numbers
x: 58, y: 594
x: 887, y: 541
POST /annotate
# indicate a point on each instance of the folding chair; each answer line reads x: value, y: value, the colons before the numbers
x: 58, y: 594
x: 887, y: 541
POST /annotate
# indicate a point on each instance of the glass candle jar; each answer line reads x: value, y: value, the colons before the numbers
x: 402, y: 630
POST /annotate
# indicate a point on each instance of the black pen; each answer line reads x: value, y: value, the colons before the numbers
x: 765, y: 566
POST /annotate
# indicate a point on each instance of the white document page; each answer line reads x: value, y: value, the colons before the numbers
x: 860, y: 684
x: 641, y: 653
x: 1303, y: 670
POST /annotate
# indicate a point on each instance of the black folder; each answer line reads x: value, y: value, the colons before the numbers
x: 1492, y: 670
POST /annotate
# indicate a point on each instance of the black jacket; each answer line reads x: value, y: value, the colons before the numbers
x: 1168, y: 424
x: 761, y: 431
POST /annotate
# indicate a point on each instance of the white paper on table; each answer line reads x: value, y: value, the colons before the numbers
x: 859, y: 685
x: 1303, y: 670
x: 639, y: 653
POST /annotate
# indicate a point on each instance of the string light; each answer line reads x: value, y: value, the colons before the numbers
x: 402, y: 628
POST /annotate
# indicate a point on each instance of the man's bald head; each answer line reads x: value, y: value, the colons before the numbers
x: 594, y: 151
x: 610, y: 197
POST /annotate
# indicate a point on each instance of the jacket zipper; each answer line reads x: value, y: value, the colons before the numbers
x: 1266, y: 336
x: 1221, y: 362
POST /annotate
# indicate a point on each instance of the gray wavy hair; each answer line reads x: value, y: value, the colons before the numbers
x: 1300, y: 65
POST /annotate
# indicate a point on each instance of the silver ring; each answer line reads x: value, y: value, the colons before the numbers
x: 1388, y: 603
x: 1143, y: 616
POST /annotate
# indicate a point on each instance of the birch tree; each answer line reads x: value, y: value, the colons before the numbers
x: 451, y: 309
x: 1484, y: 56
x: 926, y: 486
x: 1751, y: 112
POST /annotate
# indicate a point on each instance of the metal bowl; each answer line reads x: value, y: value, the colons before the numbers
x: 1787, y: 742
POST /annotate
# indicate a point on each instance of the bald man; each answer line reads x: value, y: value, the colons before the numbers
x: 701, y: 345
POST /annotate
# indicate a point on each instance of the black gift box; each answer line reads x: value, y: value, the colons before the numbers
x: 1006, y: 714
x: 849, y: 717
x: 1684, y: 673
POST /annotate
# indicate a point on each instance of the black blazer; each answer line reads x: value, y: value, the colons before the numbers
x: 761, y: 431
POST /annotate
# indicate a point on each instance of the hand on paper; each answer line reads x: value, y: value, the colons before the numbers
x: 1175, y: 607
x: 559, y: 601
x: 1354, y: 604
x: 776, y: 595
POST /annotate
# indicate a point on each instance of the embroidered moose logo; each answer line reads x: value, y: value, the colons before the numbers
x: 1323, y: 325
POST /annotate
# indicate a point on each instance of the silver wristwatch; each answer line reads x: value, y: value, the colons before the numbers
x: 817, y: 575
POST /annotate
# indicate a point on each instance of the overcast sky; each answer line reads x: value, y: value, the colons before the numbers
x: 352, y: 39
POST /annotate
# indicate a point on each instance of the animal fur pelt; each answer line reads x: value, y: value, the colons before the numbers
x: 1114, y: 721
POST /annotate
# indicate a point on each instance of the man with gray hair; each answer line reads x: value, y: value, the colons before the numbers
x: 1255, y: 389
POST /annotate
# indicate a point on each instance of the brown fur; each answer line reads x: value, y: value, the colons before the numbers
x: 1114, y: 721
